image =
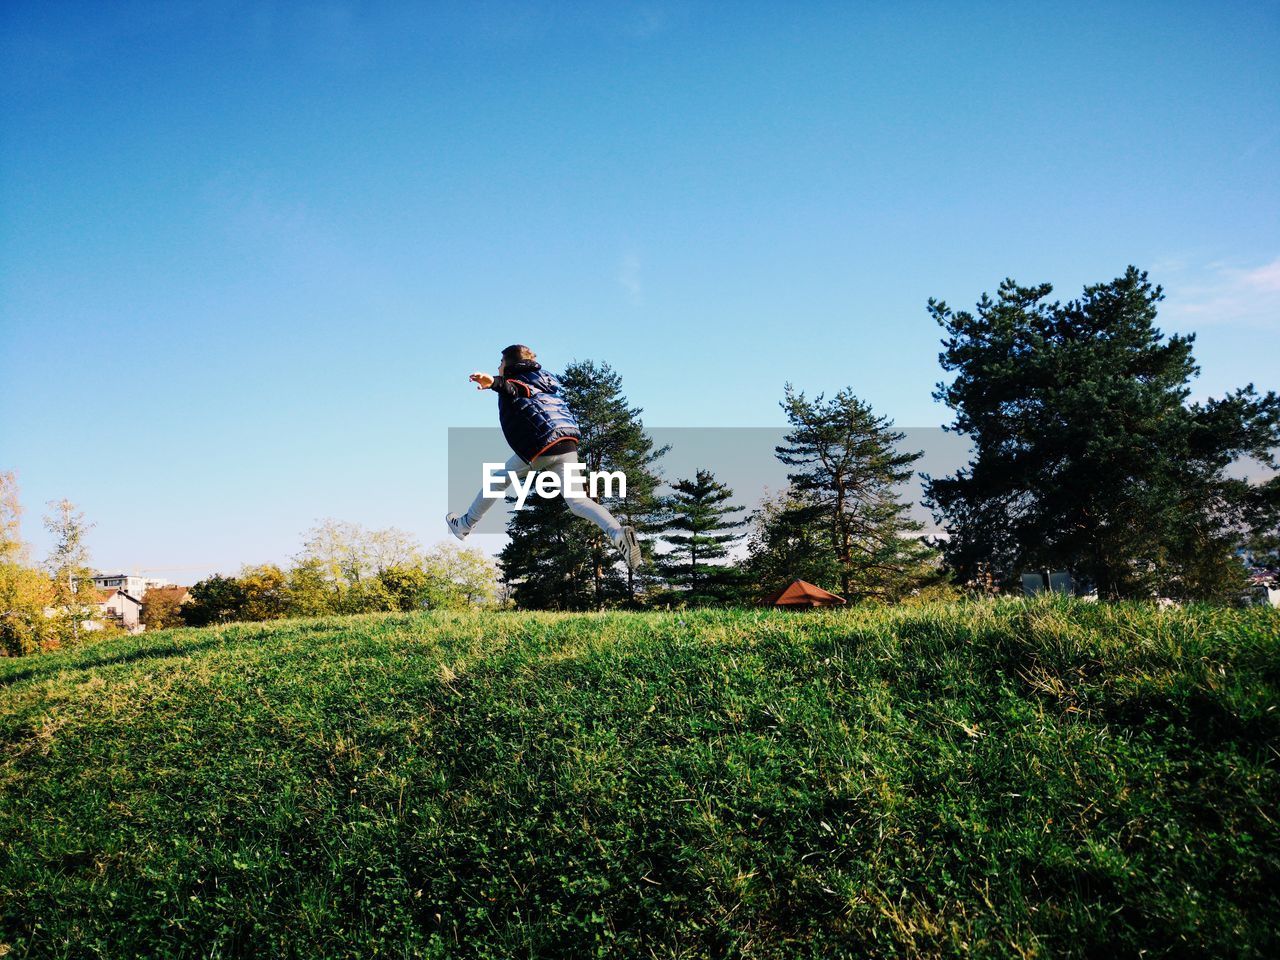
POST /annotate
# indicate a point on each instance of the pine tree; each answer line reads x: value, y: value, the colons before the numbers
x: 1087, y: 456
x: 700, y: 513
x: 561, y: 562
x: 848, y: 478
x: 614, y: 438
x: 548, y: 562
x: 789, y: 540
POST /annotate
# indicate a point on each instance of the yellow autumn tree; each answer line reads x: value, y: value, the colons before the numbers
x: 25, y: 592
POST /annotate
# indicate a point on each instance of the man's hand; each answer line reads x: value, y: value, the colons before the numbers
x: 483, y: 381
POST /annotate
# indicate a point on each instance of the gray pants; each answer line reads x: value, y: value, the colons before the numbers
x: 579, y: 506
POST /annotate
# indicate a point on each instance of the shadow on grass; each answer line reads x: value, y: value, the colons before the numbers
x: 227, y: 635
x: 159, y: 651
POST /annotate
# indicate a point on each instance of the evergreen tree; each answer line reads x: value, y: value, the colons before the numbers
x: 789, y: 540
x: 548, y: 563
x: 561, y: 562
x: 614, y: 438
x: 1087, y: 456
x: 849, y: 471
x: 701, y: 515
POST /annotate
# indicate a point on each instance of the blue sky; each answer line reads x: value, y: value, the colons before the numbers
x: 250, y: 251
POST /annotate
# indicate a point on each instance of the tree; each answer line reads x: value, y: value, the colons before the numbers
x: 349, y: 553
x: 446, y: 577
x: 406, y: 586
x: 459, y: 578
x: 1263, y: 546
x: 162, y: 607
x: 701, y: 529
x: 12, y: 547
x: 1087, y: 456
x: 789, y: 540
x: 216, y: 599
x: 310, y: 593
x: 25, y: 595
x: 68, y: 565
x: 265, y: 594
x: 25, y: 592
x: 847, y: 478
x: 557, y: 561
x: 348, y: 560
x: 550, y: 563
x: 614, y: 438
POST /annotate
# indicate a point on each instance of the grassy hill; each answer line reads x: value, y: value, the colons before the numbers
x: 989, y: 779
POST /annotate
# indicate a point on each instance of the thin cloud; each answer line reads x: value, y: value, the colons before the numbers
x: 1226, y: 294
x: 646, y: 20
x: 629, y: 277
x: 1265, y: 278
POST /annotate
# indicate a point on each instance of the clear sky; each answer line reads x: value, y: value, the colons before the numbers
x: 249, y: 251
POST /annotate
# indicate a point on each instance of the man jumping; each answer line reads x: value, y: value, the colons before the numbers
x: 543, y: 433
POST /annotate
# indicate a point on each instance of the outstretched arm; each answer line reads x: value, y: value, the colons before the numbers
x: 512, y: 388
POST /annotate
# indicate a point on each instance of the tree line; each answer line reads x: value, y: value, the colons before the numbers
x: 841, y: 522
x: 1087, y: 457
x: 342, y: 568
x: 42, y: 605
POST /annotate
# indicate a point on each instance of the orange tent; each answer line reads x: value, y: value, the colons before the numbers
x: 802, y: 594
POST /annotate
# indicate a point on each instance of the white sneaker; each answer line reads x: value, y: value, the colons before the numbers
x: 629, y: 547
x: 458, y: 526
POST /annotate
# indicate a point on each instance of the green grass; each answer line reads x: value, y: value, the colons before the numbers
x: 987, y: 779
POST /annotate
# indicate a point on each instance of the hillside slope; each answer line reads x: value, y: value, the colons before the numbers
x: 987, y: 779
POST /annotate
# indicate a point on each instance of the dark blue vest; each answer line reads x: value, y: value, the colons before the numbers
x: 538, y: 416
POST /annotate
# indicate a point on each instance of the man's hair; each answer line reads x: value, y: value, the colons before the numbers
x: 517, y: 351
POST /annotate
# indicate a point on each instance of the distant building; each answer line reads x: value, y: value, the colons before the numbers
x: 125, y: 609
x: 134, y: 586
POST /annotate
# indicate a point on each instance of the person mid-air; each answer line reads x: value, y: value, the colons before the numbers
x: 544, y: 434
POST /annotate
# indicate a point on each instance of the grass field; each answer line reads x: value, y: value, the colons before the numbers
x: 1004, y: 779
